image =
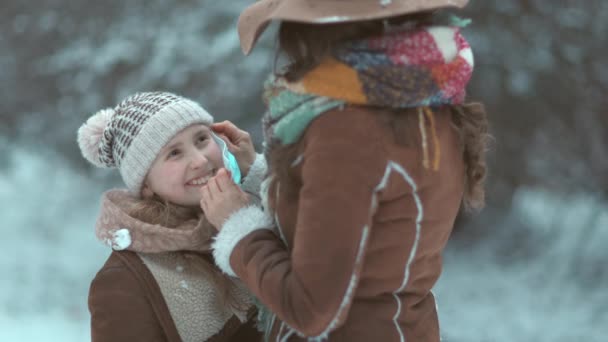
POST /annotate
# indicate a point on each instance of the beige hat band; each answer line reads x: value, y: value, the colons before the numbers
x: 254, y: 20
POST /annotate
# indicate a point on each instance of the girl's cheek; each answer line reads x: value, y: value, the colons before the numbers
x: 170, y: 169
x: 213, y: 151
x: 217, y: 156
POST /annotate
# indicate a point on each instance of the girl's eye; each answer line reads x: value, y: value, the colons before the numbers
x: 174, y: 153
x: 201, y: 139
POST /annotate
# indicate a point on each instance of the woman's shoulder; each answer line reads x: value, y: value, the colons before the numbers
x: 346, y: 124
x: 348, y: 117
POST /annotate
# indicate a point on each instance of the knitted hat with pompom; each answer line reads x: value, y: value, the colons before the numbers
x: 130, y: 136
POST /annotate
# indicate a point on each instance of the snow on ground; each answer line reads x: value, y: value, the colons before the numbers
x: 51, y: 326
x: 549, y: 287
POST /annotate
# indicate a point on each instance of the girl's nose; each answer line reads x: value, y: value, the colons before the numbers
x: 198, y: 160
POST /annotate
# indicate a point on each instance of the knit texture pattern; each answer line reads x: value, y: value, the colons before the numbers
x: 422, y: 67
x: 117, y: 229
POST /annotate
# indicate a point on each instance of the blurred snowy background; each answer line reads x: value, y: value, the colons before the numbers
x: 531, y: 267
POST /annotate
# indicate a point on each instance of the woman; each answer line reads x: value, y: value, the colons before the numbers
x: 371, y: 151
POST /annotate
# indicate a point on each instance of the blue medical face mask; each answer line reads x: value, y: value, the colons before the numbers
x: 229, y: 160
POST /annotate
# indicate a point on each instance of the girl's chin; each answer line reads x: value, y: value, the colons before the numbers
x: 196, y: 202
x: 190, y: 201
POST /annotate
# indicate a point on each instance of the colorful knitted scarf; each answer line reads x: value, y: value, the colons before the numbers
x: 423, y: 67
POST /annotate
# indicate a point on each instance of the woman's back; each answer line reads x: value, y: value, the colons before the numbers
x: 378, y: 254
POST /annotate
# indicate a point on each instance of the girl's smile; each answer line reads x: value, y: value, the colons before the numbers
x: 201, y: 180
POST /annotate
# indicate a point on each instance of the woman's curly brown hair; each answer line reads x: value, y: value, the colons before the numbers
x: 472, y: 124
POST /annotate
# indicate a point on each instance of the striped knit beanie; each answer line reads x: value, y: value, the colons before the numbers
x: 130, y: 136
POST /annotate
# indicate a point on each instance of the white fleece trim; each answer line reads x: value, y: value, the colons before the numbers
x: 392, y: 166
x: 276, y: 215
x: 362, y: 244
x: 237, y: 226
x: 436, y: 309
x: 297, y: 161
x: 264, y: 192
x: 324, y: 336
x: 350, y: 290
x: 257, y: 172
x: 278, y: 339
x: 287, y: 336
x: 348, y: 295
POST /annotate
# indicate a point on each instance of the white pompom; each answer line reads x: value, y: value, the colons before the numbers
x: 90, y: 134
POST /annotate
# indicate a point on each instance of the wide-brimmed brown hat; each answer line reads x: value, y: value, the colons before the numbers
x: 254, y: 19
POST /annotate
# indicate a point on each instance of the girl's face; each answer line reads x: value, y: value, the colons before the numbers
x: 183, y: 166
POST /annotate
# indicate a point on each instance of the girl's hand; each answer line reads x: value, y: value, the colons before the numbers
x: 238, y: 142
x: 221, y: 197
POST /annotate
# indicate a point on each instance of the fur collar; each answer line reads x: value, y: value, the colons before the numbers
x: 117, y: 229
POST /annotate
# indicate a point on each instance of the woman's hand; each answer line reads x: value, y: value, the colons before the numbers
x: 238, y: 142
x: 221, y: 197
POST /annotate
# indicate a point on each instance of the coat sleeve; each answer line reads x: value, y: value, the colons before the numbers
x: 119, y: 309
x: 257, y: 172
x: 310, y: 287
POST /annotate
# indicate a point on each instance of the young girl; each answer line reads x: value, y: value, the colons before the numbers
x: 160, y: 282
x: 371, y: 150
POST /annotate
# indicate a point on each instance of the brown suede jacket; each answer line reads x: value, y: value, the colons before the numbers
x: 353, y: 247
x: 126, y: 304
